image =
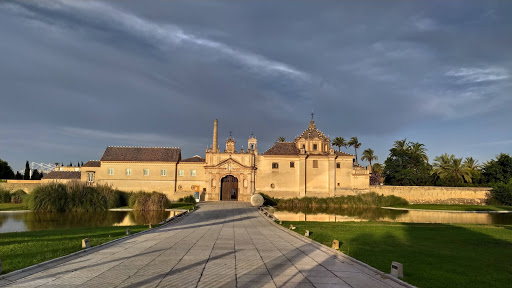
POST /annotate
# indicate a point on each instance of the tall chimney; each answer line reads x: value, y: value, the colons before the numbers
x: 215, y: 127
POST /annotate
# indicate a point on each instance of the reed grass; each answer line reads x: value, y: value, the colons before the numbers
x: 350, y: 201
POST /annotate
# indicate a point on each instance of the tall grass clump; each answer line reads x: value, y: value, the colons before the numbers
x: 82, y: 198
x: 268, y: 200
x: 5, y: 196
x: 350, y: 201
x: 143, y: 201
x: 49, y: 197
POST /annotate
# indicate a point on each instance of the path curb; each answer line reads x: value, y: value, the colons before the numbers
x: 324, y: 248
x: 14, y: 275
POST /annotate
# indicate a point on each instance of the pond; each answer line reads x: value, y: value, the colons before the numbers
x: 31, y: 221
x: 387, y: 215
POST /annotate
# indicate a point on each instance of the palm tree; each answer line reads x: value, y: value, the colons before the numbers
x: 471, y: 164
x: 368, y: 156
x: 339, y: 142
x: 447, y: 166
x: 281, y: 139
x: 401, y: 144
x: 419, y: 149
x: 354, y: 142
x: 442, y: 163
x: 459, y: 171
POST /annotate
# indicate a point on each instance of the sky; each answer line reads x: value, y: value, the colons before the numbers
x: 78, y: 76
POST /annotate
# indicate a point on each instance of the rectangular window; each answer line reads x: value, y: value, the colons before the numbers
x: 338, y: 165
x: 193, y: 172
x: 315, y: 147
x: 146, y: 172
x: 163, y: 172
x: 181, y: 173
x: 90, y: 177
x: 110, y: 171
x: 292, y: 164
x: 315, y: 163
x: 275, y: 165
x: 128, y: 172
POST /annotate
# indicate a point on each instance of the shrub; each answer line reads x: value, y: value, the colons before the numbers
x: 18, y: 196
x: 188, y: 199
x: 501, y: 194
x: 144, y: 201
x: 350, y: 201
x: 112, y: 196
x: 5, y: 196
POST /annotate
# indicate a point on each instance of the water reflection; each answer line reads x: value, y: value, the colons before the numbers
x: 31, y: 221
x: 386, y: 215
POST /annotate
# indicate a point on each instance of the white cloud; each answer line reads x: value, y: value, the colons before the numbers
x: 424, y: 24
x: 475, y: 75
x: 165, y: 35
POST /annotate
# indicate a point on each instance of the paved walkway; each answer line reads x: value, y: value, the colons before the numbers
x: 223, y: 244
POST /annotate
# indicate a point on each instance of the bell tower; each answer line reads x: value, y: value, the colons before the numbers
x: 252, y: 144
x: 230, y: 144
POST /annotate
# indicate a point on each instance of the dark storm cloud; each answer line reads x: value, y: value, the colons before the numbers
x: 91, y: 74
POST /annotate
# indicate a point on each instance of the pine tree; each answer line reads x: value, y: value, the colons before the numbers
x: 35, y: 175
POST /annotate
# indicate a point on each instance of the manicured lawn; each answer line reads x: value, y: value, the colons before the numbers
x: 433, y: 255
x: 23, y: 249
x: 13, y: 207
x: 181, y: 205
x: 457, y: 207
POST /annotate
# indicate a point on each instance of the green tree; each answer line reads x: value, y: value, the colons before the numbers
x: 35, y: 175
x: 281, y: 139
x: 451, y: 170
x: 18, y: 176
x: 5, y: 170
x: 369, y: 156
x: 474, y: 168
x: 26, y: 176
x: 403, y: 167
x: 354, y: 142
x: 339, y: 142
x: 499, y: 170
x: 378, y: 168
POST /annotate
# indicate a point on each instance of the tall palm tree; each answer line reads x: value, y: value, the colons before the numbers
x: 441, y: 163
x: 281, y: 139
x: 339, y: 142
x: 419, y: 149
x: 354, y: 142
x: 447, y: 166
x: 369, y: 156
x: 459, y: 171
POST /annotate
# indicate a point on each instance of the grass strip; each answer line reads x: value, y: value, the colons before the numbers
x: 13, y: 206
x: 433, y: 255
x: 22, y: 249
x: 181, y: 205
x: 456, y: 207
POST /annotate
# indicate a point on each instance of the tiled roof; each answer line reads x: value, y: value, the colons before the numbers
x: 338, y: 153
x: 92, y: 163
x: 312, y: 132
x: 62, y: 175
x: 283, y: 148
x: 196, y: 158
x: 160, y: 154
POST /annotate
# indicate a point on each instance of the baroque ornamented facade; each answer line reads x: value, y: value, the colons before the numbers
x: 308, y: 166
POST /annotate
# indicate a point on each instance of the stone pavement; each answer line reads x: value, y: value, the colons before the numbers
x: 222, y: 244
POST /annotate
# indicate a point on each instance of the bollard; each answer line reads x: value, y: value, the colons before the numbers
x: 292, y: 227
x: 127, y: 231
x: 397, y: 270
x: 307, y: 233
x: 150, y: 226
x: 335, y: 244
x: 280, y: 222
x: 85, y: 243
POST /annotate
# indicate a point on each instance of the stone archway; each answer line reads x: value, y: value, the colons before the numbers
x: 229, y: 188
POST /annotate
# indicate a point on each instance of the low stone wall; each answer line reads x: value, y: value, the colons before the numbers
x: 436, y: 195
x: 25, y: 185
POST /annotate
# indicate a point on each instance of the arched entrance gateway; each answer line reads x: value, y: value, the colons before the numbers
x: 229, y: 188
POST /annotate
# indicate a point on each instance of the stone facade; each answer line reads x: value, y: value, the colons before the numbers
x: 308, y: 166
